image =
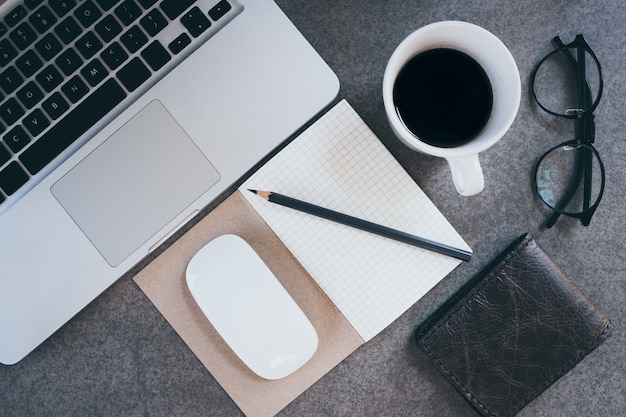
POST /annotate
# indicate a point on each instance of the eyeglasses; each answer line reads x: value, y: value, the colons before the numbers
x: 568, y: 83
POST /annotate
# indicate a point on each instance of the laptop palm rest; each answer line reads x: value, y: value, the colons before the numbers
x: 135, y: 183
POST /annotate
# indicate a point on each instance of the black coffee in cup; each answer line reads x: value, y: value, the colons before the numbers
x: 444, y: 97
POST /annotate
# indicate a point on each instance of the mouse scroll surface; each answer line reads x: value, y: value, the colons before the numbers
x: 249, y: 308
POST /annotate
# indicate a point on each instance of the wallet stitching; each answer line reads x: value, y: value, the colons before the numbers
x: 462, y: 305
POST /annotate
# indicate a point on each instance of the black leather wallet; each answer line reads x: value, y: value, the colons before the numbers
x: 512, y: 331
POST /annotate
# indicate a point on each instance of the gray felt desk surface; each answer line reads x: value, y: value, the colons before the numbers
x: 119, y: 357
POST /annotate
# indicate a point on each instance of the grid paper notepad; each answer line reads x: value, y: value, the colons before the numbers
x: 339, y: 163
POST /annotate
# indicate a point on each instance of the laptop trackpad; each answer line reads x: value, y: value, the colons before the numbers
x: 135, y: 183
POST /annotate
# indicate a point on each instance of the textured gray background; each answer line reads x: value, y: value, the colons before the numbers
x: 119, y: 357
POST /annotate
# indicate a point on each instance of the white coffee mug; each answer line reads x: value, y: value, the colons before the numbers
x: 500, y: 67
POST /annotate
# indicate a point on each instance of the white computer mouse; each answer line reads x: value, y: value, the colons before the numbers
x: 249, y: 308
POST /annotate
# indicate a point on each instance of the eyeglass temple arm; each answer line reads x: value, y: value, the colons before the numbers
x: 584, y: 129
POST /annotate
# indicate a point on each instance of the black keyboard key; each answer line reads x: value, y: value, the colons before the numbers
x: 42, y: 19
x: 1, y: 198
x: 30, y: 95
x: 114, y: 55
x: 155, y: 55
x: 15, y: 16
x: 75, y: 89
x: 72, y: 126
x: 174, y: 8
x: 87, y: 13
x: 10, y: 80
x: 195, y: 21
x: 69, y: 61
x: 219, y: 10
x: 55, y: 106
x: 127, y: 12
x: 49, y: 78
x: 68, y: 30
x: 11, y: 111
x: 31, y: 4
x: 36, y: 122
x: 153, y: 22
x: 16, y: 139
x: 23, y: 35
x: 3, y: 29
x: 88, y: 45
x: 146, y: 4
x: 107, y: 4
x: 7, y: 52
x: 108, y: 28
x: 29, y: 63
x: 5, y: 155
x: 133, y: 74
x: 134, y: 39
x: 62, y: 7
x: 94, y: 72
x: 178, y: 44
x: 12, y: 178
x: 48, y: 47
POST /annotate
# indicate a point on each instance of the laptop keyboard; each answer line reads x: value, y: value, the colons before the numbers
x: 67, y: 66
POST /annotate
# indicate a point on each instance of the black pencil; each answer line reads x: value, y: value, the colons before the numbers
x: 365, y: 225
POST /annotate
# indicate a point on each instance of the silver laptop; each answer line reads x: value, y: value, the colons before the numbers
x: 121, y: 119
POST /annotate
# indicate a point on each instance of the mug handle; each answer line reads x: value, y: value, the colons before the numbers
x: 467, y: 174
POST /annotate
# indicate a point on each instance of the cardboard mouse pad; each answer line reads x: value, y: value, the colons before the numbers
x: 164, y: 282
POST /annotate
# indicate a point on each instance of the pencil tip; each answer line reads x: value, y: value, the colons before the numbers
x: 263, y: 194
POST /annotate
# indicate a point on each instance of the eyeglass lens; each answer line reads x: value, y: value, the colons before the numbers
x: 569, y: 178
x: 557, y: 83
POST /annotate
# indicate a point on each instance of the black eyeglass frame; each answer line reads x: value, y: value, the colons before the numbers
x: 585, y: 132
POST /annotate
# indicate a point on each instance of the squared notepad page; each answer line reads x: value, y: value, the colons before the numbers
x: 339, y: 163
